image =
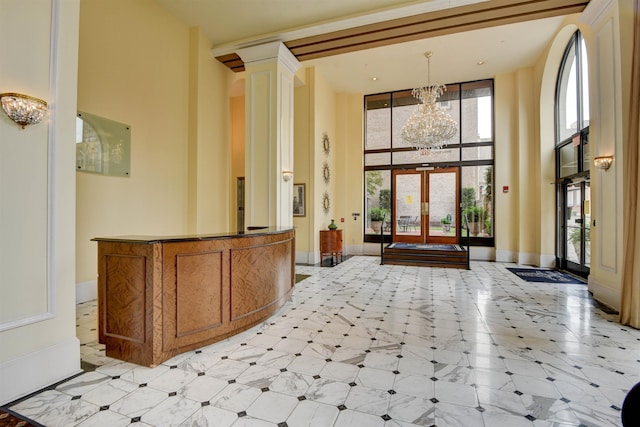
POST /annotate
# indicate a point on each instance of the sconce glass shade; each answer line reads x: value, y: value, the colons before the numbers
x: 603, y: 162
x: 287, y: 175
x: 23, y: 109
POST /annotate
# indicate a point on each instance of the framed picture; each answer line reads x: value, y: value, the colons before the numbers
x: 299, y: 200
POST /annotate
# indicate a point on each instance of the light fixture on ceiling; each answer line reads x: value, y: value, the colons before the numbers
x: 429, y: 127
x: 23, y: 109
x: 603, y: 162
x: 481, y: 62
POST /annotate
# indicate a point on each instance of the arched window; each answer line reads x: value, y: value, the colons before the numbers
x: 573, y: 159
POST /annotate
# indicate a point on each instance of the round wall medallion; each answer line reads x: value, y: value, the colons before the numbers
x: 326, y: 203
x: 326, y: 145
x: 326, y: 173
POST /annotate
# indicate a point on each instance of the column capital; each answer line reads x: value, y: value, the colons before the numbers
x: 255, y: 55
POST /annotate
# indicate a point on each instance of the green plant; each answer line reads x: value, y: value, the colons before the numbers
x: 488, y: 186
x: 474, y: 213
x: 468, y: 197
x: 376, y: 214
x: 385, y: 199
x: 574, y: 236
x: 487, y: 226
x: 374, y: 181
x: 445, y: 219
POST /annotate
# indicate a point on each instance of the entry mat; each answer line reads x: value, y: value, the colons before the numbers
x: 426, y: 247
x: 9, y: 418
x: 545, y: 275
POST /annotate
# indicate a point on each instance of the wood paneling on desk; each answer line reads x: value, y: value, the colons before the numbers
x: 158, y: 297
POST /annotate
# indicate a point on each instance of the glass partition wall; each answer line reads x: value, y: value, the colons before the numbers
x: 413, y: 193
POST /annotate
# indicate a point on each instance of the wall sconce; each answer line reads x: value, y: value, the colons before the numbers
x: 603, y: 162
x: 23, y: 109
x: 287, y: 175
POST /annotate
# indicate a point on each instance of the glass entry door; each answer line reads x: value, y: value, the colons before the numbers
x: 426, y: 206
x: 575, y: 240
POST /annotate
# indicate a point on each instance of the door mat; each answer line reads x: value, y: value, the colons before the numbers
x: 426, y: 247
x: 301, y: 277
x: 9, y: 418
x: 544, y: 275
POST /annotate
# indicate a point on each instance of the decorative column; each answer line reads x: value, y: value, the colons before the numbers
x: 269, y: 87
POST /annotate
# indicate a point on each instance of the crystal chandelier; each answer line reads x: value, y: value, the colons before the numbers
x: 429, y: 127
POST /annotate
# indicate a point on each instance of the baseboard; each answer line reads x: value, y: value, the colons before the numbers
x: 482, y: 253
x: 505, y: 256
x: 604, y: 294
x: 547, y: 261
x: 86, y: 291
x: 527, y: 258
x: 39, y: 369
x: 354, y: 250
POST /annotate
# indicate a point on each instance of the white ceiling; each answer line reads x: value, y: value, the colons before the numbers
x: 401, y: 66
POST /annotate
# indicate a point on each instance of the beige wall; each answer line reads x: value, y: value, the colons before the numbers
x: 237, y: 156
x: 324, y: 121
x: 608, y: 30
x: 349, y: 165
x: 41, y: 348
x: 316, y: 114
x: 209, y: 138
x: 140, y: 65
x: 304, y: 155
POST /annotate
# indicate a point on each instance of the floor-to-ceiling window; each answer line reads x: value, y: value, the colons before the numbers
x: 397, y: 209
x: 573, y: 247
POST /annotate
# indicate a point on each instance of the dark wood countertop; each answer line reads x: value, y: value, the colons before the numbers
x: 251, y: 231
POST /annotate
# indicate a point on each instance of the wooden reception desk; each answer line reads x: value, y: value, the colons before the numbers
x: 161, y: 296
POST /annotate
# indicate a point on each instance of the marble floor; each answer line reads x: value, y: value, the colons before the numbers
x: 362, y: 344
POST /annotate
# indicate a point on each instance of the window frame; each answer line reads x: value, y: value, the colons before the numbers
x: 489, y: 84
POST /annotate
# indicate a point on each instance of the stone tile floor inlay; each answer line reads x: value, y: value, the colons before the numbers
x: 362, y: 344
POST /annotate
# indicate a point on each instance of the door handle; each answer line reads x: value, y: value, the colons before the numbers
x: 578, y: 220
x: 425, y: 208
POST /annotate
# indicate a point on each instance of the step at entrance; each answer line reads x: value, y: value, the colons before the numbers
x: 426, y: 255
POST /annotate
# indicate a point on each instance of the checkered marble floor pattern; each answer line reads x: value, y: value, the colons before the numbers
x: 367, y: 345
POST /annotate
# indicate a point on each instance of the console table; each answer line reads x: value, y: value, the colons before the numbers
x: 331, y: 244
x: 162, y: 296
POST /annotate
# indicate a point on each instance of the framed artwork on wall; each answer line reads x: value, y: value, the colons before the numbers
x: 299, y: 204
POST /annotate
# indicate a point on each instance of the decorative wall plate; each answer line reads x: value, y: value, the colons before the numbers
x: 326, y: 145
x: 326, y: 173
x: 326, y: 202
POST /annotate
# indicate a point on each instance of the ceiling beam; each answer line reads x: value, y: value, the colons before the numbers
x: 439, y: 23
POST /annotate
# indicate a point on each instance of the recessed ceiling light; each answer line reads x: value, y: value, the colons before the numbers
x: 480, y: 62
x: 375, y: 79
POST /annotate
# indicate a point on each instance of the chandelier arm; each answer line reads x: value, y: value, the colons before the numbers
x: 429, y: 127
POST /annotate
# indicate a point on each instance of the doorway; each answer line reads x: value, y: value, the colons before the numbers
x: 575, y: 218
x: 426, y: 206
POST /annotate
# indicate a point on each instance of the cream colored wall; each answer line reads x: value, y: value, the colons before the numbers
x: 349, y: 166
x: 528, y: 171
x: 506, y: 172
x: 140, y: 65
x: 324, y: 121
x: 237, y: 156
x: 209, y: 139
x: 303, y: 170
x: 39, y: 351
x: 608, y: 31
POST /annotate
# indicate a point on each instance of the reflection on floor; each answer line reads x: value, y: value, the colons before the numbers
x: 362, y: 344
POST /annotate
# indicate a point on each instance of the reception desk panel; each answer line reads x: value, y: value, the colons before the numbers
x: 158, y: 297
x: 129, y: 285
x: 194, y: 308
x: 259, y: 277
